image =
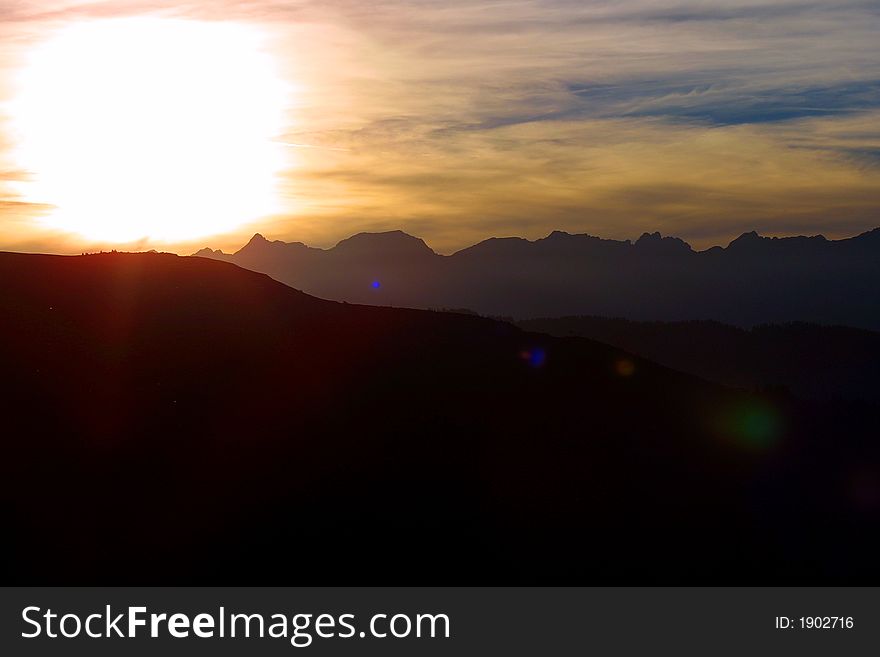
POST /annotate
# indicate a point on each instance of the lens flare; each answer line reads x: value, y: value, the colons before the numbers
x: 753, y: 424
x: 535, y: 357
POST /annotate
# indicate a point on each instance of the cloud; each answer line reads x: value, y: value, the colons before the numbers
x: 613, y: 177
x: 463, y: 119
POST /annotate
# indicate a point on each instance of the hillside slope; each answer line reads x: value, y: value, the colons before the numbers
x: 177, y: 420
x: 812, y: 361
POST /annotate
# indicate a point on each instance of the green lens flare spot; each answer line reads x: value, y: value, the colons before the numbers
x: 751, y: 425
x: 759, y: 427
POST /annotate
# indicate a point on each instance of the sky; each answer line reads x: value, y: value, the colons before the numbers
x: 457, y: 121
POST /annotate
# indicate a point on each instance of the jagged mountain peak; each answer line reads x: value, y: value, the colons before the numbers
x: 655, y: 241
x: 750, y: 238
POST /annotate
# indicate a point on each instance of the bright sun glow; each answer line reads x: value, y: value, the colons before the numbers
x: 151, y: 128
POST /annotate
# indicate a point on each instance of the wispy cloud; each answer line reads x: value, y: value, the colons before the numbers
x: 463, y: 119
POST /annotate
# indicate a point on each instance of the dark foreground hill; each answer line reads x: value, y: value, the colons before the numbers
x: 817, y: 362
x: 178, y: 420
x: 754, y: 280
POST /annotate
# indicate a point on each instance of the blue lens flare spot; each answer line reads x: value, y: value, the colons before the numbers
x: 535, y: 357
x: 375, y: 285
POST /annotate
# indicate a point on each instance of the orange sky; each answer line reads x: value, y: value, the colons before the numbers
x: 454, y: 121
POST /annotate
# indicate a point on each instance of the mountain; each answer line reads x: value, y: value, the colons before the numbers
x: 812, y: 361
x: 754, y: 280
x: 181, y: 420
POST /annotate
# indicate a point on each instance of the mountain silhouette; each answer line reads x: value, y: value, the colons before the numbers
x: 181, y: 420
x: 817, y: 362
x: 754, y: 280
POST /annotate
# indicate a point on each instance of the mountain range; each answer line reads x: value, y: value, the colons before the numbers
x: 180, y: 420
x: 754, y: 280
x: 808, y: 360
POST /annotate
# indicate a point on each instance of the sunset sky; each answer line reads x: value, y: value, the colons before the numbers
x: 178, y: 125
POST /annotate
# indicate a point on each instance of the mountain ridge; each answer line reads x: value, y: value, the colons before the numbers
x: 810, y: 361
x: 646, y: 237
x: 753, y: 280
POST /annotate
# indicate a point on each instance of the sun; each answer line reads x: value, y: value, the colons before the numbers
x: 151, y: 129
